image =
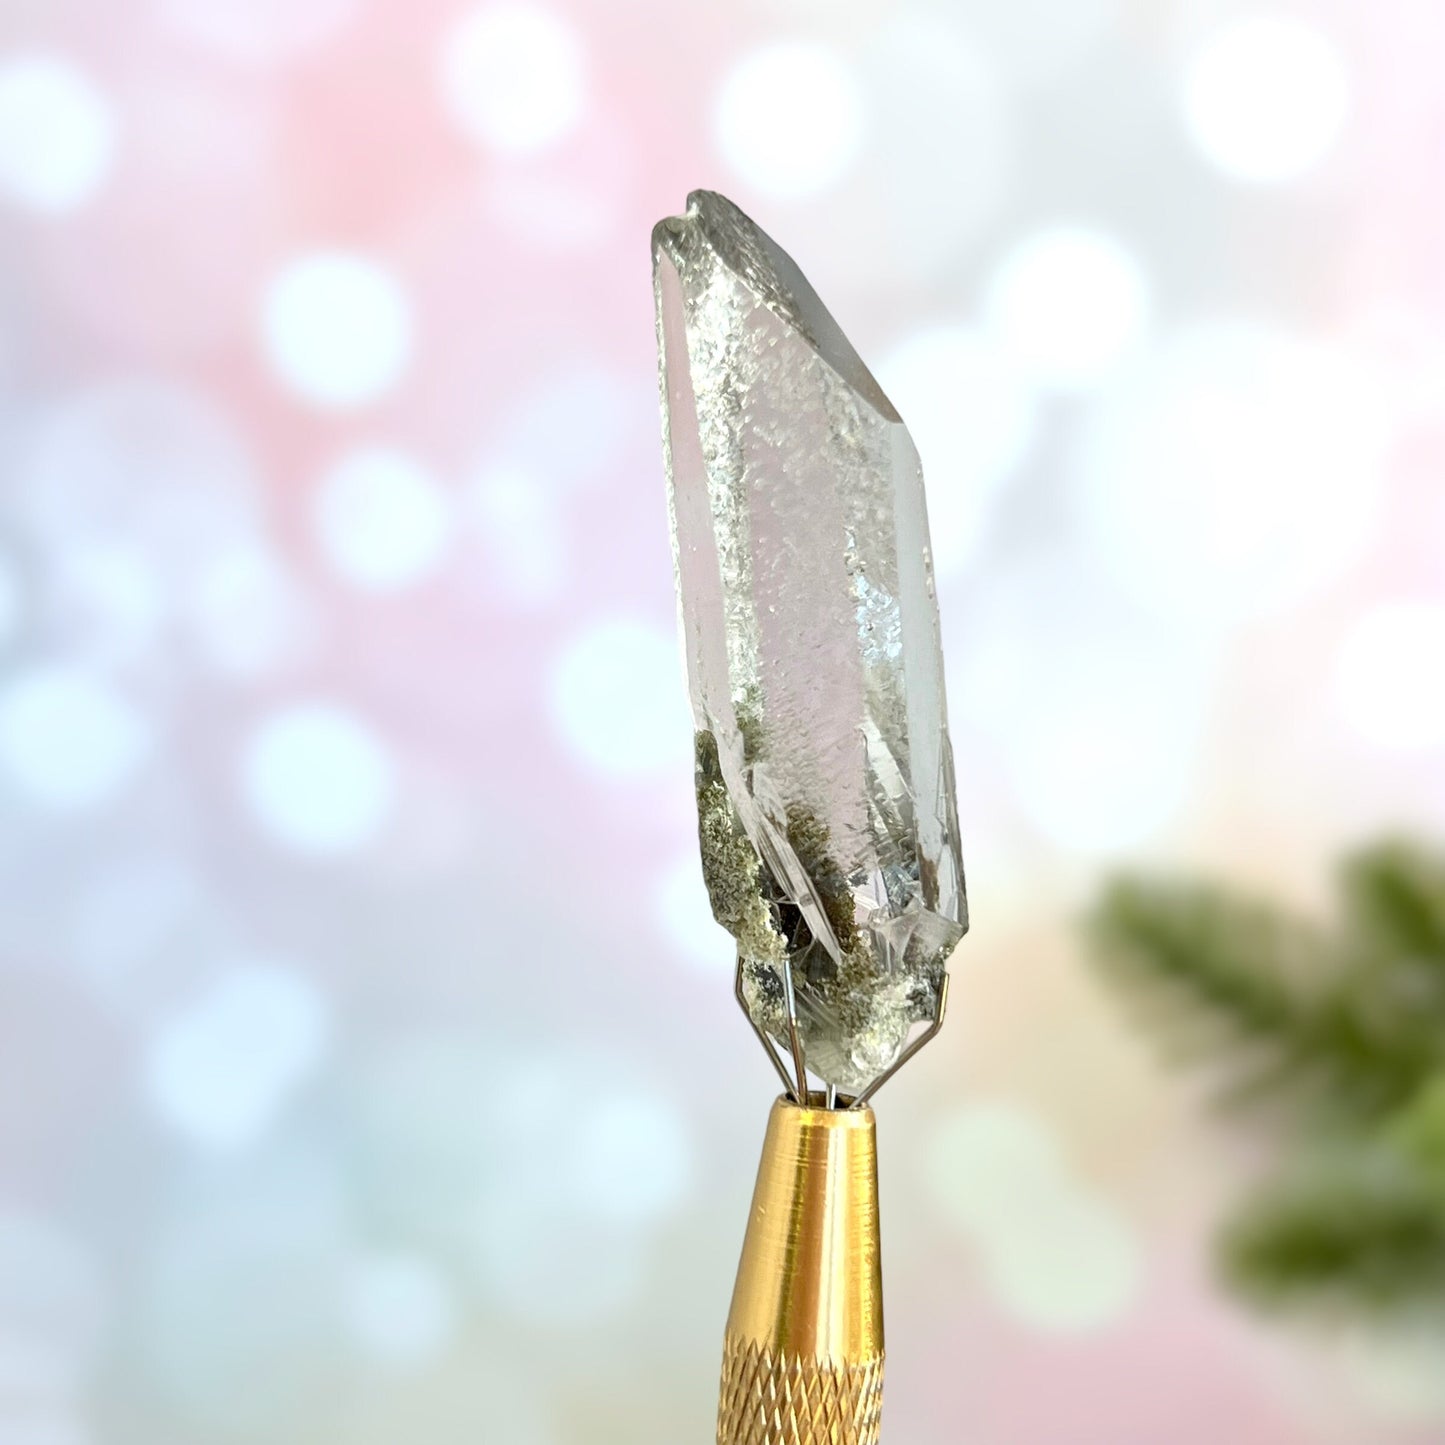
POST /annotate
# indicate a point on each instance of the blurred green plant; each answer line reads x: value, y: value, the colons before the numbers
x: 1336, y: 1035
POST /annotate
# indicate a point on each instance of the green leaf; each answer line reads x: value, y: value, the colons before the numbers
x: 1194, y: 946
x: 1418, y: 1134
x: 1239, y: 981
x: 1364, y: 1233
x: 1347, y: 1027
x: 1395, y: 902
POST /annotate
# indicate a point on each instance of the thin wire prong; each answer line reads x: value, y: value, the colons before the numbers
x: 768, y: 1046
x: 791, y: 1000
x: 913, y: 1048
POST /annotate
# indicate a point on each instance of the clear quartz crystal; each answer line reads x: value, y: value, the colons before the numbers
x: 824, y: 773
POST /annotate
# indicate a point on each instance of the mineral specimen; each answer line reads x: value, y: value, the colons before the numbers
x: 824, y: 773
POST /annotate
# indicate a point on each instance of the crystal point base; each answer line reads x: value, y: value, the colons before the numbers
x: 824, y: 774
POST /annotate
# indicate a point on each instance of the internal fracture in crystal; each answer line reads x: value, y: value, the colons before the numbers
x: 824, y: 774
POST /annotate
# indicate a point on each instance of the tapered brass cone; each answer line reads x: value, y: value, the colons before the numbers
x: 803, y: 1354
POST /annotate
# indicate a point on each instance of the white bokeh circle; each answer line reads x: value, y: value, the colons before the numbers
x: 981, y: 1157
x: 1394, y: 1376
x: 580, y: 1185
x: 618, y: 700
x: 381, y: 519
x: 53, y: 1422
x: 575, y: 429
x: 634, y: 1156
x: 1033, y: 42
x: 1093, y: 707
x: 221, y: 1067
x: 109, y: 597
x: 68, y: 740
x: 520, y: 526
x: 1106, y: 782
x: 1236, y: 471
x: 141, y: 463
x: 1057, y: 1257
x: 1266, y: 98
x: 318, y: 779
x: 249, y: 614
x: 258, y: 32
x: 789, y: 119
x: 337, y: 329
x: 1068, y: 304
x: 686, y: 923
x: 553, y: 1266
x: 53, y: 1309
x: 57, y: 133
x: 932, y: 90
x: 970, y: 409
x: 134, y: 911
x: 1064, y: 1261
x: 12, y: 600
x: 1389, y: 680
x: 400, y: 1309
x: 135, y: 490
x: 513, y: 75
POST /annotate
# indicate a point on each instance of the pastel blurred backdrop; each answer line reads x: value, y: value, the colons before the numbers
x: 368, y: 1070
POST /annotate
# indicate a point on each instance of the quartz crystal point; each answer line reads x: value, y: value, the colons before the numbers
x: 824, y: 773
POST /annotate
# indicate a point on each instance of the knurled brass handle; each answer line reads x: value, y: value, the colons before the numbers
x: 803, y: 1353
x: 769, y: 1398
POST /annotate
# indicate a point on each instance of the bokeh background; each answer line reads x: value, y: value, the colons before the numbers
x: 368, y: 1067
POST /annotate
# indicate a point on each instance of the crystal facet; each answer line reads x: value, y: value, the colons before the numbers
x: 824, y: 772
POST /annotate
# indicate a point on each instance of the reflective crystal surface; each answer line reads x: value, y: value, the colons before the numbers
x: 824, y: 774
